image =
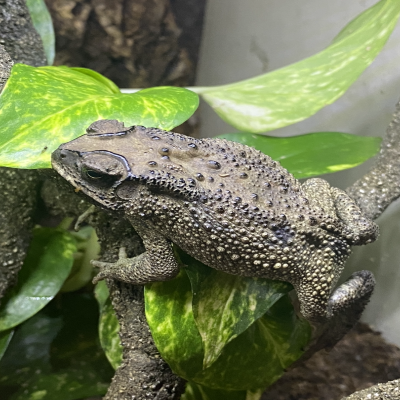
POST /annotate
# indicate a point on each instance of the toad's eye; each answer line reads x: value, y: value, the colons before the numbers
x: 101, y: 169
x: 99, y: 178
x: 95, y: 174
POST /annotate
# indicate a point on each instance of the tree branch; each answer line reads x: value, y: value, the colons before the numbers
x: 387, y: 391
x: 5, y: 66
x: 18, y: 35
x: 143, y: 373
x: 18, y: 188
x: 378, y: 188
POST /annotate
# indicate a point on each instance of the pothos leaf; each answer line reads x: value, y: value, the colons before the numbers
x: 108, y: 327
x: 252, y: 360
x: 293, y: 93
x: 40, y: 108
x: 225, y: 305
x: 47, y: 265
x: 61, y: 342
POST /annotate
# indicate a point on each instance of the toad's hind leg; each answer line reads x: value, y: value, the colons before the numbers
x: 157, y: 263
x: 348, y: 301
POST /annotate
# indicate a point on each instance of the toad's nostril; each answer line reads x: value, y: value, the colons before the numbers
x: 63, y: 154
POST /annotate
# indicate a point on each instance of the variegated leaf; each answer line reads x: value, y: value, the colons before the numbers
x: 293, y: 93
x: 225, y: 305
x: 252, y: 360
x: 108, y: 326
x: 40, y: 108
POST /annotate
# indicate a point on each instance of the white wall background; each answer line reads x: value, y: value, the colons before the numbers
x: 242, y: 39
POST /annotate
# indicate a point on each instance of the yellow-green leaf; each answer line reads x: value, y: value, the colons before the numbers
x: 108, y: 326
x: 252, y: 360
x: 40, y: 108
x: 225, y: 305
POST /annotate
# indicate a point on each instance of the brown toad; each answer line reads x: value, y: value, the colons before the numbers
x: 226, y: 204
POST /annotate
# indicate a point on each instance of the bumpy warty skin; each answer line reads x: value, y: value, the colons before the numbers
x: 226, y: 204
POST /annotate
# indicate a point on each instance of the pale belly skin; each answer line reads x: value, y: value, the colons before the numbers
x: 227, y: 205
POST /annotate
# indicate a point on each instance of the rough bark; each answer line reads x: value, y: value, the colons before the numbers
x: 149, y: 375
x: 381, y: 391
x: 18, y: 193
x: 5, y: 66
x: 377, y: 189
x: 143, y: 373
x: 134, y: 43
x: 18, y: 188
x: 18, y: 35
x: 189, y: 15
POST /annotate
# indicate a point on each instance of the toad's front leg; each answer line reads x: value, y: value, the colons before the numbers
x: 157, y: 263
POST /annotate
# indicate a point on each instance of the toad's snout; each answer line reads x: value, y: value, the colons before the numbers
x: 63, y: 157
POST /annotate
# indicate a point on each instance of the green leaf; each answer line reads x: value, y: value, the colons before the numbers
x: 88, y: 248
x: 30, y: 348
x: 253, y: 360
x: 40, y: 108
x: 43, y: 24
x: 314, y: 153
x: 293, y: 93
x: 71, y: 385
x: 101, y: 294
x: 170, y: 317
x: 60, y: 342
x: 101, y: 78
x: 225, y: 305
x: 5, y: 338
x: 108, y: 327
x: 109, y: 335
x: 47, y: 265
